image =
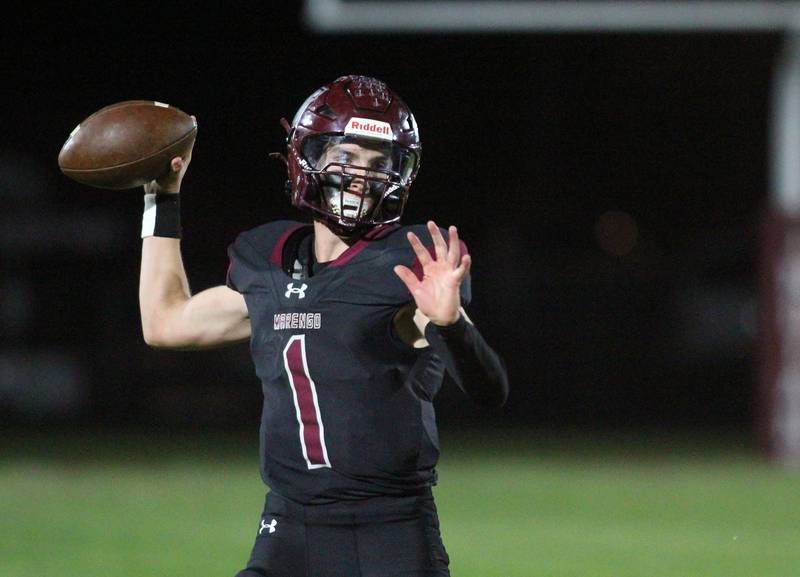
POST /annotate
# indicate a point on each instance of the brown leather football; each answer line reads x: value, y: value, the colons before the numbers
x: 127, y: 144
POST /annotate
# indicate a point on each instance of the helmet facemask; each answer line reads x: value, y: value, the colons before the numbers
x: 356, y: 182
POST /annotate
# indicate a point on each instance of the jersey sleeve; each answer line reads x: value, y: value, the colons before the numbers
x: 254, y: 253
x: 243, y: 259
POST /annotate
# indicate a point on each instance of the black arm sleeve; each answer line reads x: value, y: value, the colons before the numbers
x: 470, y: 361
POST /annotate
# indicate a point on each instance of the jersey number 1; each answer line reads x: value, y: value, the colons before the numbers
x: 306, y: 405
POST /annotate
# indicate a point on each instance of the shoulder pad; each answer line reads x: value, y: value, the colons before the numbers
x: 253, y: 252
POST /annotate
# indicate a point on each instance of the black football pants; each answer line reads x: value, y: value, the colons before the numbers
x: 378, y: 537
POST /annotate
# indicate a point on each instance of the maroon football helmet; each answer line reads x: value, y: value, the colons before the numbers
x: 353, y: 151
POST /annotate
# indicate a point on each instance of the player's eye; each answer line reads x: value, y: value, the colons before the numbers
x: 338, y: 158
x: 379, y: 175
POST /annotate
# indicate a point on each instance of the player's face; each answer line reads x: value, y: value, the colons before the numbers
x: 355, y: 175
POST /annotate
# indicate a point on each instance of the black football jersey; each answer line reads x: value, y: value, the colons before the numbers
x: 348, y: 410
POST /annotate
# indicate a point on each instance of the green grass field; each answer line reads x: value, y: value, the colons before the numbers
x: 511, y: 506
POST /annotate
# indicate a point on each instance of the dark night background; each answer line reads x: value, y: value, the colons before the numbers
x: 609, y: 186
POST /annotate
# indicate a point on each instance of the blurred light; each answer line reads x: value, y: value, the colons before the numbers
x: 16, y: 307
x: 546, y: 15
x: 714, y: 321
x: 41, y: 383
x: 616, y: 232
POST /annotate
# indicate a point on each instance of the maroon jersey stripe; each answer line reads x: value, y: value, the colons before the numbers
x: 277, y: 252
x: 363, y: 243
x: 306, y: 404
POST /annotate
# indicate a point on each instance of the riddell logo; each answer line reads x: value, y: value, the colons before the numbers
x: 366, y: 127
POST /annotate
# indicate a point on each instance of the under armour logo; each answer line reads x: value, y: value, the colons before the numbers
x: 300, y: 292
x: 270, y: 526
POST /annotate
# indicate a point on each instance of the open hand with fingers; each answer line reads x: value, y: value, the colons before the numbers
x: 437, y: 293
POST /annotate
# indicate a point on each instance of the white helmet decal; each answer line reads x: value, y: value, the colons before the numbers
x: 371, y: 128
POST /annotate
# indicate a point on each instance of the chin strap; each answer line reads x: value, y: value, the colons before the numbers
x: 282, y: 158
x: 279, y: 156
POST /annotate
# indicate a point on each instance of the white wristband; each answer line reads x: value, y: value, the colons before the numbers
x: 149, y: 216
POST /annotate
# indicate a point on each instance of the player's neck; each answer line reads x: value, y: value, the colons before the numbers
x: 327, y: 245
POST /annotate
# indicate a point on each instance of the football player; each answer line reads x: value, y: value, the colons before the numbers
x: 353, y: 322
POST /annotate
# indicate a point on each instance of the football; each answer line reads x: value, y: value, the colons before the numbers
x: 127, y: 144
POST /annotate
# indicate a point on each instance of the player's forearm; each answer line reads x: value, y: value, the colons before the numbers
x: 472, y: 363
x: 163, y: 287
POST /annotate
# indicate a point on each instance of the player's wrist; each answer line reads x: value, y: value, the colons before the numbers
x: 456, y: 327
x: 162, y: 215
x: 448, y: 322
